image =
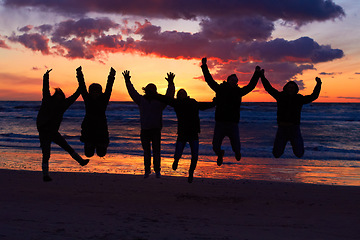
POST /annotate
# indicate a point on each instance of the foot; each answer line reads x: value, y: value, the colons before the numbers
x: 84, y: 162
x: 220, y: 158
x: 147, y: 174
x: 191, y: 177
x: 47, y: 178
x: 175, y: 164
x: 238, y: 156
x: 158, y: 175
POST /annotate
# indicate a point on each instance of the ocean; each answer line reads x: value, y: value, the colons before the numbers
x: 331, y: 133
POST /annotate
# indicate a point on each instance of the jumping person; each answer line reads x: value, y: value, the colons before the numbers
x: 187, y: 112
x: 151, y: 110
x: 289, y: 105
x: 227, y: 111
x: 94, y: 128
x: 48, y: 123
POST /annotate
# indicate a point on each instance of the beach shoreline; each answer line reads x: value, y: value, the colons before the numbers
x: 119, y: 206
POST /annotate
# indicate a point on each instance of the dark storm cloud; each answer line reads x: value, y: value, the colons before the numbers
x: 241, y: 28
x: 85, y: 27
x: 186, y: 45
x: 298, y: 11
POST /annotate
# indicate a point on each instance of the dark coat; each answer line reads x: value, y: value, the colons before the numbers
x: 228, y: 98
x: 289, y: 106
x: 94, y: 127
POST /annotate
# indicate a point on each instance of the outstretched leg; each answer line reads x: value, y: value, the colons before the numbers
x: 60, y: 140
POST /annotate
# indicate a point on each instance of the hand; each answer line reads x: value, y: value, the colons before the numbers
x: 214, y: 100
x: 47, y: 73
x: 203, y: 61
x: 112, y: 72
x: 318, y: 80
x: 170, y: 77
x: 126, y: 75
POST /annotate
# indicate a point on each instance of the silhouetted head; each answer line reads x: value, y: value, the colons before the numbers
x: 95, y: 90
x: 291, y: 88
x: 181, y: 94
x: 58, y: 94
x: 150, y: 89
x: 232, y: 80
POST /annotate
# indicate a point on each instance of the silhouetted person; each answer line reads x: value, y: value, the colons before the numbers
x: 289, y: 105
x: 94, y: 128
x: 48, y: 122
x: 187, y: 112
x: 151, y: 110
x: 227, y: 112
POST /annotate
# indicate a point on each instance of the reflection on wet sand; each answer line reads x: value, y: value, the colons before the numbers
x: 267, y: 169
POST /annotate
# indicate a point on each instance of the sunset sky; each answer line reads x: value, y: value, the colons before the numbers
x: 291, y: 39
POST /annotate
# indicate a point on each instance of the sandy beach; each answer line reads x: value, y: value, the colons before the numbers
x: 117, y: 206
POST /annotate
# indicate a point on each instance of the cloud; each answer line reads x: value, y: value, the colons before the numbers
x: 240, y: 28
x: 235, y: 34
x: 34, y: 41
x: 3, y: 44
x: 349, y: 98
x: 297, y: 11
x: 26, y: 28
x: 85, y: 27
x: 330, y: 74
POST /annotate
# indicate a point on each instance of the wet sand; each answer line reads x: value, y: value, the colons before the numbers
x: 119, y: 206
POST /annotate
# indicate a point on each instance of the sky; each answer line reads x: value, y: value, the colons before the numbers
x: 294, y: 40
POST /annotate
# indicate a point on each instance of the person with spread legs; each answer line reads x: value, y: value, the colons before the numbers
x: 48, y: 123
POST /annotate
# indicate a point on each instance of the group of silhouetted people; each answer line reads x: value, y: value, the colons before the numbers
x: 227, y: 101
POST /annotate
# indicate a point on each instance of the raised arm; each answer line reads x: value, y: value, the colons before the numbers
x: 135, y: 96
x: 82, y: 85
x: 70, y: 100
x: 170, y: 92
x: 208, y: 78
x: 110, y: 83
x: 315, y: 93
x: 46, y: 85
x: 272, y: 91
x: 253, y: 81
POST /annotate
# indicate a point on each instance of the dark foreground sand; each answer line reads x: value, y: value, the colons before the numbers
x: 105, y: 206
